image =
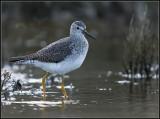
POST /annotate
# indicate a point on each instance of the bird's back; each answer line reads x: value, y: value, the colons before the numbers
x: 54, y: 52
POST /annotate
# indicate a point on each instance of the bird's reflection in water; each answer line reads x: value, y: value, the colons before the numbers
x: 44, y: 113
x: 62, y: 102
x: 63, y: 105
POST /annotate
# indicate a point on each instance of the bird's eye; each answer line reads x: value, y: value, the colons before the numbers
x: 77, y: 27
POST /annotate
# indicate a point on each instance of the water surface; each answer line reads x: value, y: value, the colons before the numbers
x: 96, y: 89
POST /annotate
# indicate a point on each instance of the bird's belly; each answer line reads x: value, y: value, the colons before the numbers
x: 63, y: 67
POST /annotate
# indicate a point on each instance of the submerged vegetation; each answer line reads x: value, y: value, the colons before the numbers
x: 141, y: 50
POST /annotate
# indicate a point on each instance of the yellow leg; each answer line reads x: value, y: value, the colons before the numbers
x: 43, y: 83
x: 62, y: 87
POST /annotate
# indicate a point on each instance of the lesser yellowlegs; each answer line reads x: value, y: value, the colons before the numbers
x: 62, y: 56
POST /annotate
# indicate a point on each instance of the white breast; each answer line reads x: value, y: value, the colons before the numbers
x: 61, y: 67
x: 69, y: 64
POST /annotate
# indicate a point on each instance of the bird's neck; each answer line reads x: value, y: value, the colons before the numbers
x: 77, y: 37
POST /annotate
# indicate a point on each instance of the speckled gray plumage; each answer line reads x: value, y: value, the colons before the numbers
x: 56, y: 51
x: 59, y: 50
x: 79, y: 23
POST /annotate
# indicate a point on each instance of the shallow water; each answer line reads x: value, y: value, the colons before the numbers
x: 96, y: 89
x: 96, y: 95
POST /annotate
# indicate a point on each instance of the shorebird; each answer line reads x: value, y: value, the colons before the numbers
x: 61, y: 56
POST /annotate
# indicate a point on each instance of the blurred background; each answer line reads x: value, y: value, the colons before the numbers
x: 36, y: 24
x: 29, y: 26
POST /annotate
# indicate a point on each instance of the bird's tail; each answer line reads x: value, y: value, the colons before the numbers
x: 24, y: 59
x: 15, y: 59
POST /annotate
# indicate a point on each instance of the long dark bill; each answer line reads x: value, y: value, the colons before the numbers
x: 88, y: 34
